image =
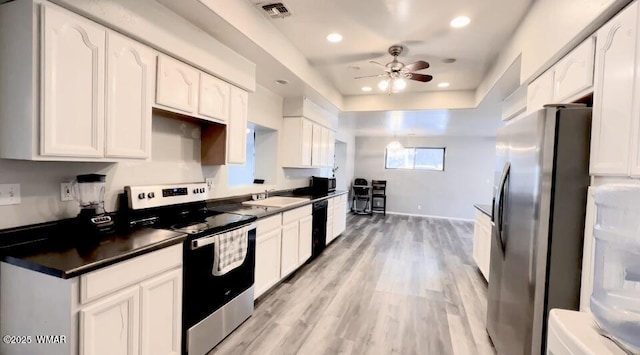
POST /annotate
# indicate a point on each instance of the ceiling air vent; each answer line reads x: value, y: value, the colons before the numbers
x: 275, y: 10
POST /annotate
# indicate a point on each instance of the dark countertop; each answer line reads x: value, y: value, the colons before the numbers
x: 263, y: 212
x: 67, y: 259
x: 486, y: 209
x: 51, y: 248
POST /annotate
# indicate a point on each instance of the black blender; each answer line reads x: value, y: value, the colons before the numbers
x: 92, y: 221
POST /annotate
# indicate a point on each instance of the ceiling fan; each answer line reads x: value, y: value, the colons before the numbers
x: 396, y: 72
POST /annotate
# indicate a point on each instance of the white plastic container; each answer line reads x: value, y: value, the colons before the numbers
x: 615, y: 301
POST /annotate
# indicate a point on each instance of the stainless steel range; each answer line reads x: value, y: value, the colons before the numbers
x: 213, y: 303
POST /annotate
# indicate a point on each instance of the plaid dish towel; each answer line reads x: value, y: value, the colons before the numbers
x: 230, y: 250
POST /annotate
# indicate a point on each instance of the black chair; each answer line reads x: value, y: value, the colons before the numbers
x: 361, y: 201
x: 379, y: 196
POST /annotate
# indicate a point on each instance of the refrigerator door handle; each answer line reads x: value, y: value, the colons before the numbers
x: 498, y: 210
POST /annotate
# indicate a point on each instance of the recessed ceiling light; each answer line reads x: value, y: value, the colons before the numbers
x: 366, y: 88
x: 282, y: 82
x: 353, y: 67
x: 449, y: 60
x: 460, y: 21
x: 334, y: 37
x: 443, y: 85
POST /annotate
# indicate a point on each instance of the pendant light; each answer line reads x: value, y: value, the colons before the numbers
x: 395, y: 146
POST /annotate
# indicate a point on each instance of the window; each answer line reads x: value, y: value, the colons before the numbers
x: 415, y: 159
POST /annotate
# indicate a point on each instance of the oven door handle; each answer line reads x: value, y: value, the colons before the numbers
x: 202, y: 242
x: 199, y: 243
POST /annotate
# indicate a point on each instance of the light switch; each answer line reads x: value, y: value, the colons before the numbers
x: 9, y: 194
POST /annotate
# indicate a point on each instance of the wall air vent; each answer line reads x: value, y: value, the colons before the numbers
x: 275, y: 10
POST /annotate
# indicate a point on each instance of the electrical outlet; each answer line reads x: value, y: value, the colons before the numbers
x: 65, y: 192
x: 209, y: 182
x: 9, y: 194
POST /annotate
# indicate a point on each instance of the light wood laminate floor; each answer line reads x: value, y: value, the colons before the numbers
x: 388, y: 285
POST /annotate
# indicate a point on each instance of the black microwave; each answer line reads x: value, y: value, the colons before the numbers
x: 322, y: 185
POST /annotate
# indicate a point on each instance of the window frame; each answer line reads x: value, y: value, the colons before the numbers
x: 444, y: 159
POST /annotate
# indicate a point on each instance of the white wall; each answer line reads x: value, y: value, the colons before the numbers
x: 175, y: 159
x: 467, y: 179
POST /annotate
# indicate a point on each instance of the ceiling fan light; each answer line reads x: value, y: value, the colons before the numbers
x: 383, y: 84
x: 399, y: 84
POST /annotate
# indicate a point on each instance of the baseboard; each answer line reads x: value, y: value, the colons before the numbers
x: 430, y: 216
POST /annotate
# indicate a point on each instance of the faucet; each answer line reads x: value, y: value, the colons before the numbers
x: 266, y: 192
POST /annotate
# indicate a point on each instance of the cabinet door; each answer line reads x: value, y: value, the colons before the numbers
x: 324, y: 147
x: 329, y: 237
x: 237, y: 127
x: 339, y: 218
x: 176, y: 85
x: 613, y: 94
x: 110, y: 326
x: 574, y: 73
x: 316, y: 145
x: 332, y: 148
x: 73, y: 52
x: 477, y: 244
x: 307, y: 142
x: 130, y: 70
x: 485, y: 248
x: 214, y: 98
x: 268, y: 248
x: 162, y: 314
x: 289, y: 256
x: 305, y: 240
x: 540, y: 92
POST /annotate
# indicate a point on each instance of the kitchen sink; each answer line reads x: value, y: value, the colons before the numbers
x: 277, y: 201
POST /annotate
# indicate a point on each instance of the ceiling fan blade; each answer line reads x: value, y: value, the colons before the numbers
x: 378, y: 64
x: 419, y: 65
x: 370, y: 76
x: 419, y: 77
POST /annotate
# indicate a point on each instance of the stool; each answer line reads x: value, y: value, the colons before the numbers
x: 379, y: 196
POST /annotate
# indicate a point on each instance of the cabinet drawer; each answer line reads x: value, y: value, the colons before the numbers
x: 294, y: 215
x: 112, y: 278
x: 268, y: 224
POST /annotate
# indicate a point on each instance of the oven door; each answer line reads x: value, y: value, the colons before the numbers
x: 204, y: 293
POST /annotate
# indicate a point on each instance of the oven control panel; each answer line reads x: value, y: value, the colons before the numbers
x: 141, y: 197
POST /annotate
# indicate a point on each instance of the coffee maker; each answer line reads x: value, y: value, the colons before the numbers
x: 88, y: 190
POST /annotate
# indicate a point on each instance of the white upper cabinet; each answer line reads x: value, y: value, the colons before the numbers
x: 614, y: 94
x: 177, y: 85
x: 324, y: 147
x: 237, y: 127
x: 332, y: 148
x: 297, y: 148
x: 73, y: 52
x: 316, y: 145
x: 306, y: 142
x: 540, y: 92
x: 214, y: 98
x: 574, y: 73
x: 130, y: 73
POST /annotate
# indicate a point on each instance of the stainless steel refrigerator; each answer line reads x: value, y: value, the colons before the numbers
x: 542, y: 176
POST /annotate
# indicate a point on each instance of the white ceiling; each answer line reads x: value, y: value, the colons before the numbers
x: 369, y: 27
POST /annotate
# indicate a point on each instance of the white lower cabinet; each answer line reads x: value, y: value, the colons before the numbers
x: 330, y: 218
x: 305, y: 226
x: 161, y: 314
x: 268, y: 247
x: 111, y: 325
x: 290, y: 241
x: 482, y: 243
x: 339, y: 215
x: 129, y: 308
